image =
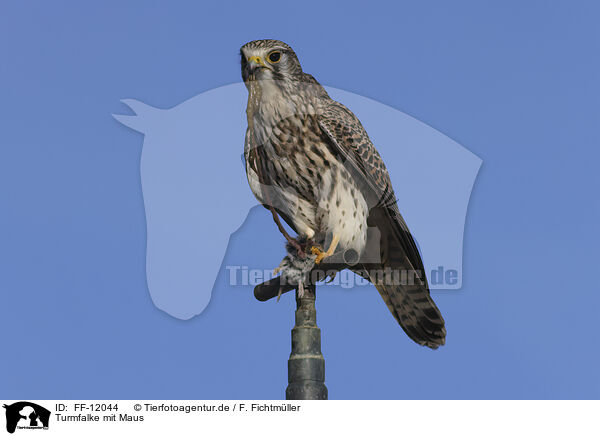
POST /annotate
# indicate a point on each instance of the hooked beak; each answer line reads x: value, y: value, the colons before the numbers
x: 256, y: 62
x: 251, y: 66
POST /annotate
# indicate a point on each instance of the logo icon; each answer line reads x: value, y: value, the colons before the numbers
x: 26, y: 415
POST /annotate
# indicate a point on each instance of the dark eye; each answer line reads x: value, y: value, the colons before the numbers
x: 274, y: 57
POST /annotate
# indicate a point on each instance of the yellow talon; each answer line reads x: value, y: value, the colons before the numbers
x: 320, y: 254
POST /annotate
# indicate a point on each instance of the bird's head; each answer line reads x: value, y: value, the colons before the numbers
x: 269, y: 59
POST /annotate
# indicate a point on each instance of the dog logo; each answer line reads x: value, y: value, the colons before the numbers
x: 26, y: 415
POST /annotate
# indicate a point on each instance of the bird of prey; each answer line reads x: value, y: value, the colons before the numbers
x: 310, y: 161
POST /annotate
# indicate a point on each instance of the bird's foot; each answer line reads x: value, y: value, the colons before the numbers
x: 319, y: 253
x: 316, y: 250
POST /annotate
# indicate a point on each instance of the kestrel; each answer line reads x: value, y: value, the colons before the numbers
x: 310, y: 161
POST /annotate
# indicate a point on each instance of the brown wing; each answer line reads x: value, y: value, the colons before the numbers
x: 410, y: 304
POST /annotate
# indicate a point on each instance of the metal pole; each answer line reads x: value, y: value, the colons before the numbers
x: 306, y: 365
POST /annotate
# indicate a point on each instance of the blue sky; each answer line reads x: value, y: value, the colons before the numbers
x: 515, y: 83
